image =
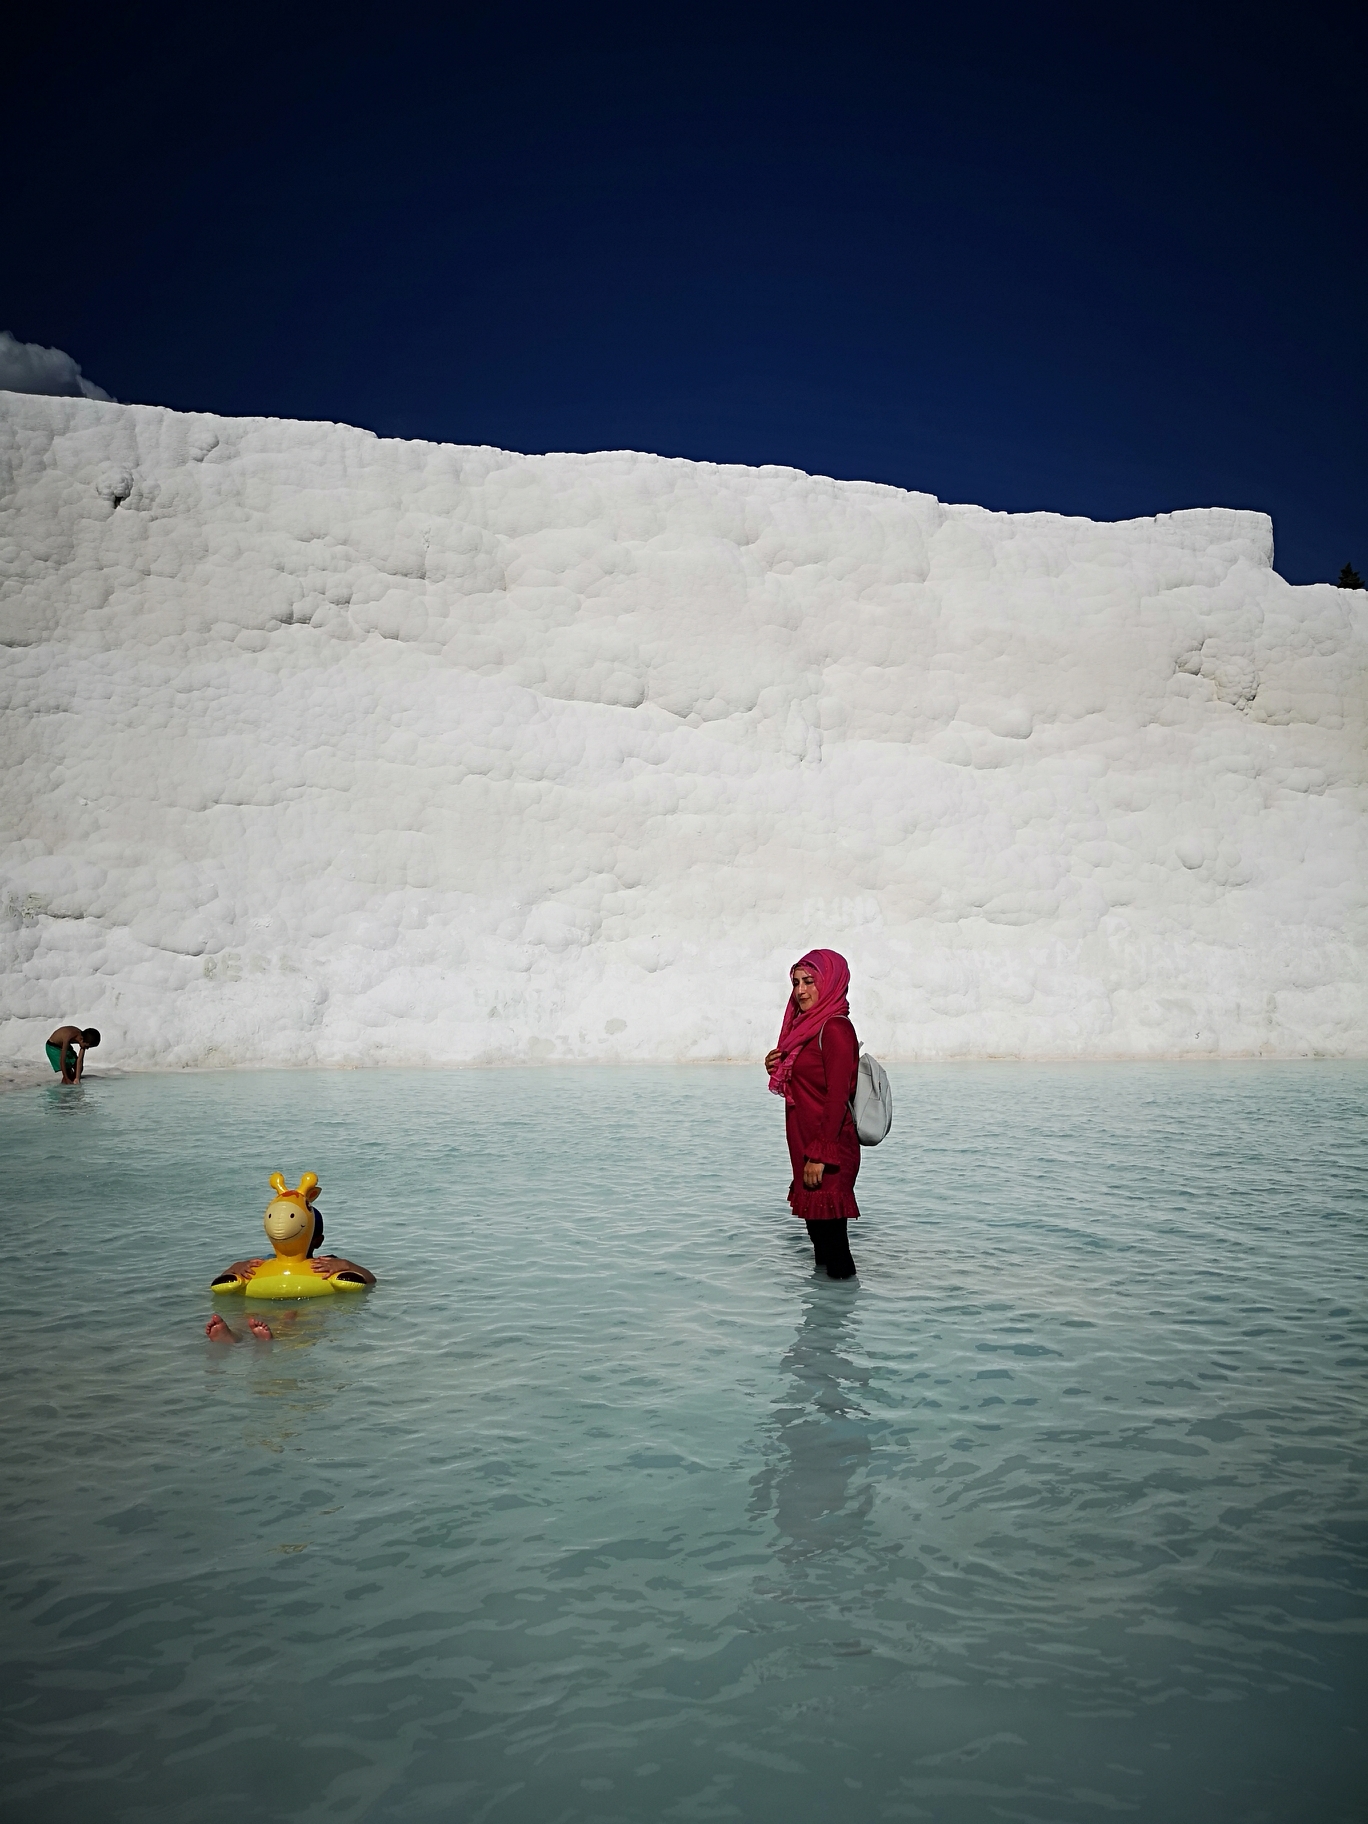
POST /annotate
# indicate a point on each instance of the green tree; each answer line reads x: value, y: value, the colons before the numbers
x: 1349, y: 578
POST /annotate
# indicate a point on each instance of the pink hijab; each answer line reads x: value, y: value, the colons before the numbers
x: 833, y: 978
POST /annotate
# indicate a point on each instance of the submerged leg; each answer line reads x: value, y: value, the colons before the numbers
x: 839, y: 1261
x: 217, y: 1331
x: 818, y: 1237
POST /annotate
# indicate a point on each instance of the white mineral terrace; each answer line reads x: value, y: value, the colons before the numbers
x: 325, y: 749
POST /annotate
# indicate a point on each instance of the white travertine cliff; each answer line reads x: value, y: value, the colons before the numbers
x: 320, y: 748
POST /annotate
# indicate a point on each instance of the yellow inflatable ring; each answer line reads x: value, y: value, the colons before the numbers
x: 292, y: 1271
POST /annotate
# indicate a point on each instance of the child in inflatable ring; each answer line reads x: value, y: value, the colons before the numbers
x: 295, y: 1270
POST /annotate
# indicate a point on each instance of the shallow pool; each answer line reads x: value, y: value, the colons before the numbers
x: 603, y: 1506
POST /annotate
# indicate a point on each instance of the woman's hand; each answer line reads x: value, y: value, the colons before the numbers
x: 812, y: 1173
x: 772, y: 1058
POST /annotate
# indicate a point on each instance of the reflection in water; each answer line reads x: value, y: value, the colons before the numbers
x: 67, y: 1098
x: 293, y: 1326
x: 814, y: 1483
x: 274, y: 1369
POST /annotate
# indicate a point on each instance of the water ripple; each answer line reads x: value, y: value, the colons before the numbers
x: 603, y: 1506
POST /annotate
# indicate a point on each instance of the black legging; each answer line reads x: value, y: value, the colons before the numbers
x: 831, y: 1247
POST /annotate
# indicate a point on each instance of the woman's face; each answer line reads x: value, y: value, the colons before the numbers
x: 804, y: 989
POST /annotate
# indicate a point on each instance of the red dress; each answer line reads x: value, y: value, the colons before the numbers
x: 818, y: 1123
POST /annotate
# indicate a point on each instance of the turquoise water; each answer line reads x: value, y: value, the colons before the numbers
x: 603, y: 1506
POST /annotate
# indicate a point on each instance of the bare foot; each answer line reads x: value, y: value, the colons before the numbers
x: 260, y: 1329
x: 217, y: 1331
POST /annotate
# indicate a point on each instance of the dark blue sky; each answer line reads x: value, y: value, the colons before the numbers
x: 1028, y: 258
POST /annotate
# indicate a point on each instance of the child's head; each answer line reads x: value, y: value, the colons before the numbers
x: 91, y: 1037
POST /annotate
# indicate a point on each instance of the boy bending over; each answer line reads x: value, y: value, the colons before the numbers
x: 66, y: 1050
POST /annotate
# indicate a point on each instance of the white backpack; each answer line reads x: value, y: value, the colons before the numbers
x: 871, y: 1107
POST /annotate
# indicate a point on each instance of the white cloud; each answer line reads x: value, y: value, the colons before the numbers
x: 28, y: 367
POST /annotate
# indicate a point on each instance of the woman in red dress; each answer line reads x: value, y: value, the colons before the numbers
x: 813, y: 1068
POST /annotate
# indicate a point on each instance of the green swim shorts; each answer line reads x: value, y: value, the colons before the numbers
x: 55, y: 1055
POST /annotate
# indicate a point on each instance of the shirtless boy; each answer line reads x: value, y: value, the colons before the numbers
x: 66, y: 1050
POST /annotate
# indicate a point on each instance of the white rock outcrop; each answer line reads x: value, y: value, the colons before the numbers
x: 320, y: 748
